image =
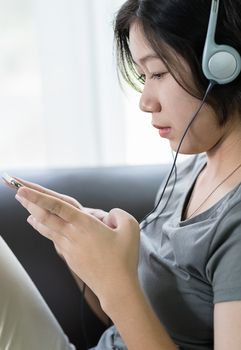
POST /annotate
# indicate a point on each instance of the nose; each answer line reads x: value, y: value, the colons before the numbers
x: 149, y: 101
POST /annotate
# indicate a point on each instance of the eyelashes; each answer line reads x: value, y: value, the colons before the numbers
x: 154, y: 76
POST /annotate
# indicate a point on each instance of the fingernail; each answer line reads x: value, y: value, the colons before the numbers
x: 20, y: 199
x: 31, y: 220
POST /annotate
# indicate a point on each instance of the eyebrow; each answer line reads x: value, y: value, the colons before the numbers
x: 147, y: 57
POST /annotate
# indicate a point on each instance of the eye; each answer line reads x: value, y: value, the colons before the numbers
x: 154, y: 76
x: 158, y: 76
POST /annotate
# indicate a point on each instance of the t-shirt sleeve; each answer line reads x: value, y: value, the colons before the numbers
x: 224, y: 263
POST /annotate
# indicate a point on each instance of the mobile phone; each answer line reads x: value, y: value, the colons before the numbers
x: 11, y: 181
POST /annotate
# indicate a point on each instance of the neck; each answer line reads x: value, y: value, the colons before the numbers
x: 225, y: 156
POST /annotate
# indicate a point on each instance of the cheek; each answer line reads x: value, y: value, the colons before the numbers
x: 177, y: 102
x: 206, y: 128
x: 203, y: 135
x: 179, y: 107
x: 204, y: 132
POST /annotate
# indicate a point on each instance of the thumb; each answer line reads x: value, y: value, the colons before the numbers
x: 118, y: 218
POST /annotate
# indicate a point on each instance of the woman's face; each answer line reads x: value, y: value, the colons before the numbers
x: 170, y: 106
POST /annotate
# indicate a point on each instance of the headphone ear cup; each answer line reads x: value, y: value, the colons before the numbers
x: 222, y: 64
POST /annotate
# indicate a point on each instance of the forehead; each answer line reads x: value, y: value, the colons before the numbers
x: 142, y: 52
x: 138, y: 44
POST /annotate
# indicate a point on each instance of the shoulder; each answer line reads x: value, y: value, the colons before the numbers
x: 229, y: 225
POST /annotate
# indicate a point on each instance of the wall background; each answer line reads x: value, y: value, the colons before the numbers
x: 60, y: 101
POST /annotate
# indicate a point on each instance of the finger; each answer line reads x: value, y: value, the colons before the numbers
x: 47, y: 233
x: 53, y: 205
x: 45, y: 190
x: 44, y: 217
x: 42, y: 229
x: 98, y: 213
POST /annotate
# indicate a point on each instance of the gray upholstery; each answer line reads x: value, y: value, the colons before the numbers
x: 131, y: 188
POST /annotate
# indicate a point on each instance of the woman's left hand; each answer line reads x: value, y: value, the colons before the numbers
x: 103, y: 254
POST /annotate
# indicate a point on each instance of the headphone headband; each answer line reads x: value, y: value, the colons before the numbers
x: 220, y: 63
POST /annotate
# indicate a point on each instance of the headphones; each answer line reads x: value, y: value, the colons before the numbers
x: 220, y: 63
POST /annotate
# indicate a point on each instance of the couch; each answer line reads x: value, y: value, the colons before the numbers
x: 132, y: 188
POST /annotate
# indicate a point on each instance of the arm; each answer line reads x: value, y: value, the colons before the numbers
x: 227, y: 325
x: 92, y: 300
x: 136, y: 321
x: 224, y: 273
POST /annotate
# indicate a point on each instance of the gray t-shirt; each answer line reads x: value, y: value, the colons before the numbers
x: 187, y: 266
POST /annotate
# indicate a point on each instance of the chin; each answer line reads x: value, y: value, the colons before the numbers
x: 187, y: 149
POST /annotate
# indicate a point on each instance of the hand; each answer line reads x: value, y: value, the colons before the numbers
x: 103, y: 254
x: 98, y: 213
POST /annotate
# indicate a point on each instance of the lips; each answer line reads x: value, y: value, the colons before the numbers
x: 164, y: 131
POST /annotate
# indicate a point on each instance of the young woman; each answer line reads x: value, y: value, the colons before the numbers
x: 176, y: 283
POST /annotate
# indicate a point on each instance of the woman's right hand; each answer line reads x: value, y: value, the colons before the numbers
x: 98, y: 213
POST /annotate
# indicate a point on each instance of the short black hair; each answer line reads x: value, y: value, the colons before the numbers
x: 178, y: 28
